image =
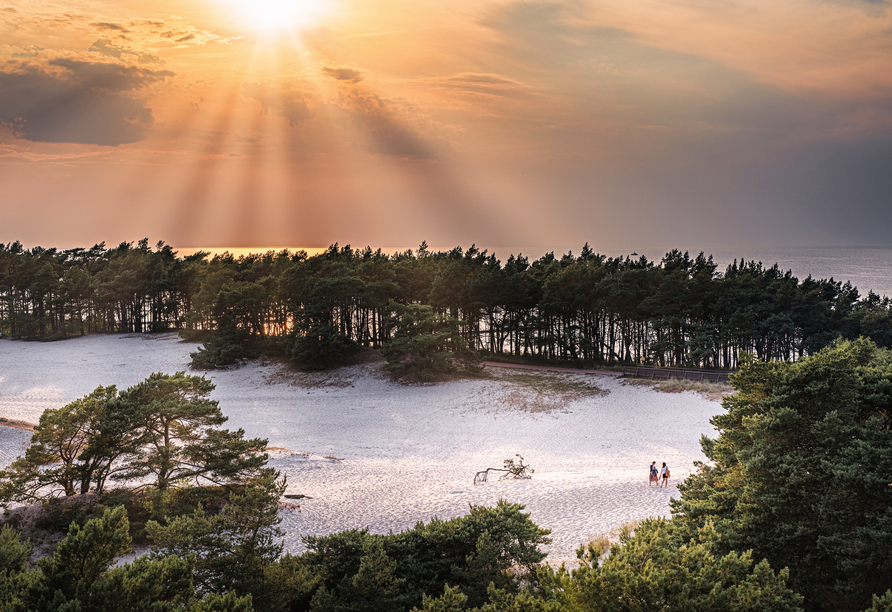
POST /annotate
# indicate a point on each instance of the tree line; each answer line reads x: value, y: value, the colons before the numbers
x: 680, y: 311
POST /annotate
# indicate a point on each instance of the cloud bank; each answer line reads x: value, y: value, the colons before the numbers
x: 82, y: 102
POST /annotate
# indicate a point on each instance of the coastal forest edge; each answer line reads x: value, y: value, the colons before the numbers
x: 681, y: 311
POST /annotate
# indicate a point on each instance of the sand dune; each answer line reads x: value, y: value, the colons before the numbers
x: 407, y: 453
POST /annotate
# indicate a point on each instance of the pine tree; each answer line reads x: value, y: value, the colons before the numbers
x: 179, y: 441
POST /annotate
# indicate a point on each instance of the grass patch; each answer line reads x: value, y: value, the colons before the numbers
x: 339, y: 376
x: 287, y: 375
x: 714, y: 391
x: 425, y: 378
x: 625, y: 531
x: 601, y: 543
x: 542, y: 391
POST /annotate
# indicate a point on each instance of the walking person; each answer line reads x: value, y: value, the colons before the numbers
x: 664, y: 472
x: 654, y: 476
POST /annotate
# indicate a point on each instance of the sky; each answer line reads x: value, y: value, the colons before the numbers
x: 241, y: 123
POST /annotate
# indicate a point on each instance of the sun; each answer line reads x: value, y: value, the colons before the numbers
x: 277, y: 15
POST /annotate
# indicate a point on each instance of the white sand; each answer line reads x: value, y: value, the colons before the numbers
x: 408, y: 452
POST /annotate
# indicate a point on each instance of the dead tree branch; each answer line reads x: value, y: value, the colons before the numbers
x: 511, y: 470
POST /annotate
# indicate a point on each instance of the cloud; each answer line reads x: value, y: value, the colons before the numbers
x: 873, y: 7
x: 342, y: 73
x: 172, y: 31
x: 104, y: 46
x: 84, y: 102
x: 290, y: 102
x: 10, y: 152
x: 110, y: 26
x: 29, y: 51
x: 375, y: 123
x: 110, y: 77
x: 835, y: 48
x: 483, y: 83
x: 385, y: 132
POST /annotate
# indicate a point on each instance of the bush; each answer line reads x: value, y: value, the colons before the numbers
x: 497, y: 545
x: 322, y: 347
x: 426, y: 344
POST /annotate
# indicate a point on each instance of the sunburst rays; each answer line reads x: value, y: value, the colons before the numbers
x: 244, y: 172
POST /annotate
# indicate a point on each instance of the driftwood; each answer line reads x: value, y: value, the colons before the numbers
x: 511, y: 471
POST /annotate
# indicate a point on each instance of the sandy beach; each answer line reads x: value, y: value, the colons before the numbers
x: 375, y: 453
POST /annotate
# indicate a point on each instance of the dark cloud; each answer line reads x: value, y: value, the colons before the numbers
x: 186, y: 38
x: 292, y: 103
x: 840, y: 188
x: 110, y: 26
x: 110, y: 77
x: 615, y: 78
x: 105, y: 47
x: 341, y: 73
x: 385, y: 132
x: 89, y: 103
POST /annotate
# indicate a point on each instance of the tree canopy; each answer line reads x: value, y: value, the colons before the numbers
x: 800, y: 473
x: 680, y: 311
x: 165, y: 427
x: 79, y: 576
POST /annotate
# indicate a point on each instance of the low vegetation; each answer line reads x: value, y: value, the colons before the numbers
x: 360, y: 364
x: 538, y: 391
x: 710, y: 390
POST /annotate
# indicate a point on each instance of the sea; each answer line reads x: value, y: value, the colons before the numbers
x: 867, y: 268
